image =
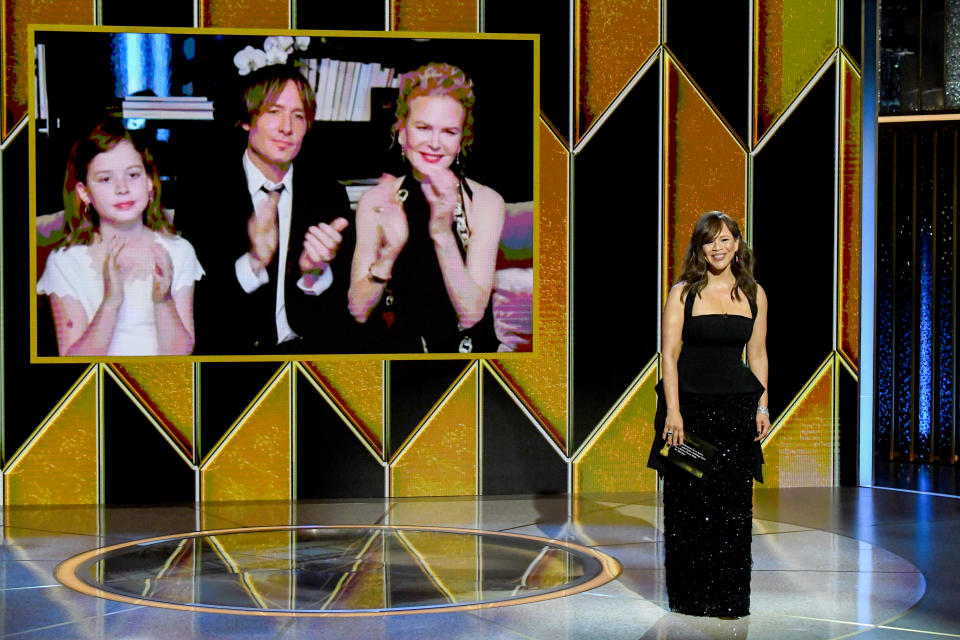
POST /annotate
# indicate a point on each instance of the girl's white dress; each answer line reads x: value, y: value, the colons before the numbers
x: 71, y: 272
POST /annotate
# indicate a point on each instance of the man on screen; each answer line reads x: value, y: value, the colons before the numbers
x: 268, y: 233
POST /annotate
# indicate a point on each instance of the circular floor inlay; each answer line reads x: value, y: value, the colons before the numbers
x: 337, y: 570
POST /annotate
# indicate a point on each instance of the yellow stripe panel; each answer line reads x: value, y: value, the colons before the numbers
x: 705, y: 168
x: 165, y: 389
x: 614, y: 38
x: 357, y: 388
x: 430, y: 15
x: 793, y: 38
x: 849, y: 227
x: 59, y: 466
x: 441, y: 457
x: 259, y: 14
x: 253, y: 462
x: 615, y: 460
x: 800, y: 452
x: 540, y: 381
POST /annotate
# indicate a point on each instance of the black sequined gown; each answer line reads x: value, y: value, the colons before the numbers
x: 707, y: 521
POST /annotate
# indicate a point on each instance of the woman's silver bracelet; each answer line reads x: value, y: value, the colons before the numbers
x: 763, y: 410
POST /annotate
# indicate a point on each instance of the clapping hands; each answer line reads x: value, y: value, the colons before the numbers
x: 320, y: 245
x: 441, y: 189
x: 140, y: 257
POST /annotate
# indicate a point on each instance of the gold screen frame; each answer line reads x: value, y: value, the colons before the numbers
x: 535, y: 127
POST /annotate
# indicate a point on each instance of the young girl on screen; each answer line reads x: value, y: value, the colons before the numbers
x: 121, y: 283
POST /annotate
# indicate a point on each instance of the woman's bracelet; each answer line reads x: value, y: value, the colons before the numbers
x: 762, y: 410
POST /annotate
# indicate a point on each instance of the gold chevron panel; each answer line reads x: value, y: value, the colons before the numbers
x: 704, y: 167
x: 259, y: 14
x: 59, y: 464
x: 17, y: 74
x: 357, y: 388
x: 614, y: 39
x: 849, y: 227
x: 429, y: 15
x: 253, y: 462
x: 615, y: 458
x: 540, y: 381
x: 165, y: 389
x: 800, y: 450
x: 793, y: 38
x: 440, y: 458
x: 451, y: 561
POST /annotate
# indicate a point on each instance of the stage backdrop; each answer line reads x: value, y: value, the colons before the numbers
x: 651, y: 113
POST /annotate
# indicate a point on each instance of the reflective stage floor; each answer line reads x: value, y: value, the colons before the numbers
x: 828, y: 563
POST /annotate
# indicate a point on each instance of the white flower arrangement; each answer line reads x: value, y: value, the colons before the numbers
x: 276, y: 50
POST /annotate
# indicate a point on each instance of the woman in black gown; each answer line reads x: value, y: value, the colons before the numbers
x: 427, y: 242
x: 711, y: 313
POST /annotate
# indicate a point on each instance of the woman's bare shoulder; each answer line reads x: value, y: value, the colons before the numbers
x: 484, y: 196
x: 761, y: 296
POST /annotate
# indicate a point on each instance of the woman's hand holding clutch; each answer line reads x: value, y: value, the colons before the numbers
x: 673, y: 428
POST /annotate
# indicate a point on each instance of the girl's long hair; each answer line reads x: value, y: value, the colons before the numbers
x: 694, y: 274
x: 80, y: 221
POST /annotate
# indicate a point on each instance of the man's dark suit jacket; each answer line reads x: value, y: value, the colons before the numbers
x: 213, y: 207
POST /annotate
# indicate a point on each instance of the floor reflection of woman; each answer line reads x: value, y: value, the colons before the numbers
x: 711, y: 313
x: 427, y: 242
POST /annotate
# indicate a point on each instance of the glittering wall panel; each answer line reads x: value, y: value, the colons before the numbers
x: 712, y: 42
x: 59, y: 465
x: 793, y: 38
x: 260, y: 14
x: 705, y: 168
x: 800, y: 450
x: 541, y: 380
x: 615, y: 458
x: 17, y: 75
x: 683, y: 127
x: 849, y: 228
x: 357, y: 388
x: 616, y: 254
x: 253, y: 460
x: 427, y: 15
x: 615, y: 38
x: 166, y: 390
x: 794, y: 178
x: 440, y: 458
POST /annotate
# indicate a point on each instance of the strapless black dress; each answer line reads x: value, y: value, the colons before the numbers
x: 707, y: 521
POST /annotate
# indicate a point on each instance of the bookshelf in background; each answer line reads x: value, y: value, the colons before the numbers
x: 343, y: 87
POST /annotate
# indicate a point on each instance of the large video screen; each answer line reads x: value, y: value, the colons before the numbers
x: 282, y: 195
